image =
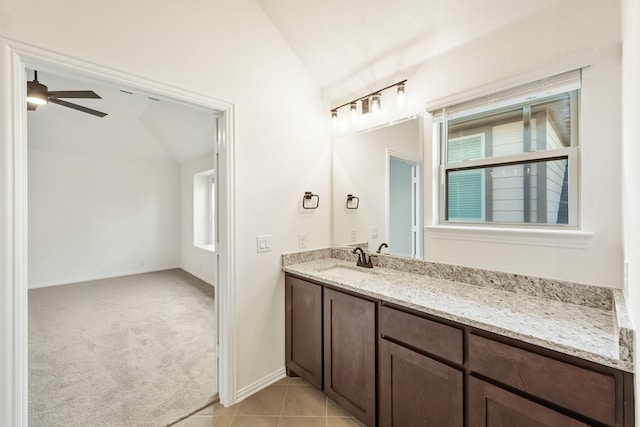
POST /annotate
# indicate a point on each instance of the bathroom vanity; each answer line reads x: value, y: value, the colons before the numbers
x: 410, y: 343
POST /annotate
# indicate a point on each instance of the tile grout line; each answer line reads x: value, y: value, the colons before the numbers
x: 284, y: 399
x: 326, y: 411
x: 233, y: 417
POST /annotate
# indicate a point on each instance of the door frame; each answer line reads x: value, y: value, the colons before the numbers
x: 14, y: 58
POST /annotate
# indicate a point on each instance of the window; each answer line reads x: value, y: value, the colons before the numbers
x: 204, y: 210
x: 212, y: 208
x: 512, y: 160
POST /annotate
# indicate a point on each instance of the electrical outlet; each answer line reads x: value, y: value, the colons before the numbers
x: 353, y: 236
x: 374, y: 232
x: 302, y: 240
x: 264, y: 243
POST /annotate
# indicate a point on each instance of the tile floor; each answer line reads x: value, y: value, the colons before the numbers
x: 290, y: 402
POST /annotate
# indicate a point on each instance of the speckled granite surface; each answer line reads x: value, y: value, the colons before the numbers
x: 584, y: 321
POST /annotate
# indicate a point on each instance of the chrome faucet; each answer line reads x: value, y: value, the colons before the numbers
x: 362, y: 258
x: 382, y: 245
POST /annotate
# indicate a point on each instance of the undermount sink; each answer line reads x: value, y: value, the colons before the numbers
x: 347, y: 273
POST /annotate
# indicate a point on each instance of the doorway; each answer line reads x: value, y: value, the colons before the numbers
x: 15, y: 60
x: 404, y: 227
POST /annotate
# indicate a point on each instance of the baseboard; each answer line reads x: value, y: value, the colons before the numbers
x: 207, y: 280
x: 100, y: 277
x: 262, y: 383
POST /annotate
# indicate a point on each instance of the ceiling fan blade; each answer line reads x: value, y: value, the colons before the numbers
x: 74, y: 94
x: 77, y: 107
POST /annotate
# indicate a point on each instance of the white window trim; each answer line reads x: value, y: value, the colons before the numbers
x: 576, y: 239
x: 209, y: 230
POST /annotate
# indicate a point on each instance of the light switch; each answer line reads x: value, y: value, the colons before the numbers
x: 264, y: 244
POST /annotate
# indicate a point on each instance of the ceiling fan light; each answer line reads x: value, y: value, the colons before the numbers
x: 37, y: 98
x: 37, y: 92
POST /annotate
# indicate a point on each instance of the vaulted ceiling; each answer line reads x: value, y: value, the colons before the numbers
x: 136, y: 126
x: 350, y: 45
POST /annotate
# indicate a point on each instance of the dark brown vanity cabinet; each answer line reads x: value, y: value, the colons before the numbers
x: 434, y: 372
x: 491, y: 406
x: 331, y: 343
x: 350, y: 354
x: 415, y: 389
x: 580, y: 389
x: 439, y: 373
x: 303, y: 330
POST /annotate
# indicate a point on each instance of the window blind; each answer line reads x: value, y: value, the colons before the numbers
x: 529, y: 92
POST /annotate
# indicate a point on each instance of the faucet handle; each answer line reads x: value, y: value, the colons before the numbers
x: 371, y: 257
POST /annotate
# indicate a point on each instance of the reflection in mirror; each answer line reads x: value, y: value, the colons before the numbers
x: 383, y: 168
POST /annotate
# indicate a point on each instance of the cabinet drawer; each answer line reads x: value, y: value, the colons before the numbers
x: 590, y: 393
x: 492, y: 406
x: 423, y: 334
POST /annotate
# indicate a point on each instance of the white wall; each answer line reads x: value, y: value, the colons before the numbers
x: 95, y: 217
x: 631, y: 157
x: 197, y: 261
x: 226, y: 49
x: 527, y: 50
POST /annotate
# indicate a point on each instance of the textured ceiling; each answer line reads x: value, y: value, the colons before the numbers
x: 136, y: 126
x: 349, y: 45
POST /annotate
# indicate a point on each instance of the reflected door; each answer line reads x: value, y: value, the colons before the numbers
x: 404, y: 227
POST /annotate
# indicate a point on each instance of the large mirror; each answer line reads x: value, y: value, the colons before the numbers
x: 377, y: 188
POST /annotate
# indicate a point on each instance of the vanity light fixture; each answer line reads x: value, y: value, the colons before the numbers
x: 365, y: 106
x: 375, y: 102
x: 401, y: 94
x: 354, y: 111
x: 369, y: 102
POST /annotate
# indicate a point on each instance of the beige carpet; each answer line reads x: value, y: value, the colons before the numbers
x: 132, y: 351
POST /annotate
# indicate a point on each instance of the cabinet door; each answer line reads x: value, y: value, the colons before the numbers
x: 303, y: 329
x: 349, y: 354
x: 491, y: 406
x: 415, y: 390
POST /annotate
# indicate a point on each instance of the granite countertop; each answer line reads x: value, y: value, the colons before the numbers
x: 586, y: 332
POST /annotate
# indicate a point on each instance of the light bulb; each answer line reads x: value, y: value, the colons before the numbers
x: 401, y: 94
x: 375, y: 103
x: 354, y: 112
x: 37, y: 98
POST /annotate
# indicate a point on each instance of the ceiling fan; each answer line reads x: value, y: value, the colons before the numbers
x: 39, y: 94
